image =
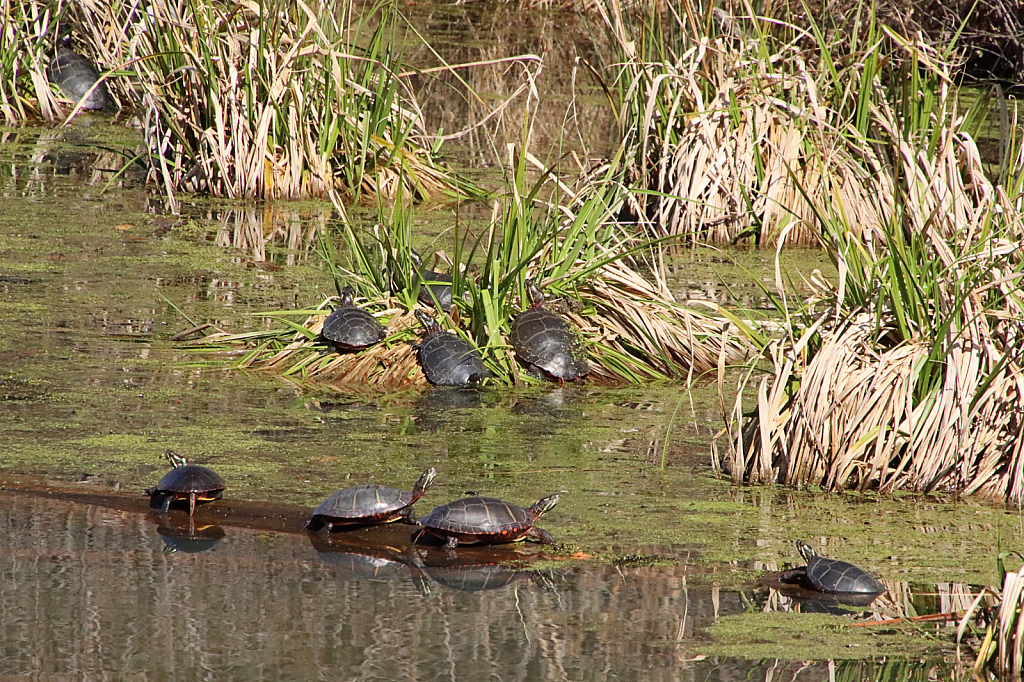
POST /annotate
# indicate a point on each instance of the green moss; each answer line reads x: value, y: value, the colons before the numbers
x: 815, y: 636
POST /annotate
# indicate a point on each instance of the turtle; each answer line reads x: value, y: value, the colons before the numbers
x: 351, y: 328
x: 185, y: 481
x: 447, y: 359
x: 486, y: 520
x: 75, y: 75
x: 368, y: 504
x: 546, y: 344
x: 436, y: 289
x: 832, y: 575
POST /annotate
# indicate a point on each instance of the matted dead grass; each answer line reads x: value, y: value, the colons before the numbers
x: 741, y: 137
x: 633, y: 319
x: 921, y: 387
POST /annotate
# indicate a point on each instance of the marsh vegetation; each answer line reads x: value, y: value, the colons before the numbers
x: 900, y: 373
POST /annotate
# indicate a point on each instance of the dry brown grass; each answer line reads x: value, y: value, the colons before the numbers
x: 756, y: 132
x: 909, y: 372
x: 391, y: 364
x: 251, y: 100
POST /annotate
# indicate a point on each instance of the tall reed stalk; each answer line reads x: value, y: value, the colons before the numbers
x: 904, y: 373
x: 741, y: 127
x: 266, y: 99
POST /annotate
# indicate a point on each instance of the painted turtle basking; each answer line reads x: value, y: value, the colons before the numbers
x: 436, y: 288
x: 545, y: 343
x: 447, y: 359
x: 75, y: 75
x: 185, y: 481
x: 486, y: 520
x: 351, y: 328
x: 832, y: 575
x: 368, y: 504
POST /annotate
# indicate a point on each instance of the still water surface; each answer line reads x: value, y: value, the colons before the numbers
x: 93, y: 593
x: 94, y: 282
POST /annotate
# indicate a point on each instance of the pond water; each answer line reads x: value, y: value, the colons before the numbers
x: 653, y: 576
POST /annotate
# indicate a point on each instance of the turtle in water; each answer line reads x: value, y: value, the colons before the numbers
x: 447, y: 359
x: 349, y: 327
x: 545, y: 343
x: 486, y: 520
x: 833, y: 575
x: 369, y: 504
x: 185, y: 481
x: 75, y: 76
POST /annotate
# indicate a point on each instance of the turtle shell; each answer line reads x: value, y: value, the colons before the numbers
x: 75, y: 75
x: 487, y: 520
x: 832, y: 575
x: 351, y: 328
x: 368, y: 504
x: 447, y: 359
x: 436, y: 287
x: 190, y: 478
x: 546, y: 343
x: 365, y: 504
x: 187, y: 481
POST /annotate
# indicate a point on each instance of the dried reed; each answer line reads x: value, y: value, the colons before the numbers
x: 745, y: 135
x: 907, y: 373
x: 267, y: 100
x: 1002, y: 648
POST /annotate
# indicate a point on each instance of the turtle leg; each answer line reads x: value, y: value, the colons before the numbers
x: 409, y: 516
x: 452, y: 542
x: 161, y: 502
x: 541, y: 536
x: 325, y: 528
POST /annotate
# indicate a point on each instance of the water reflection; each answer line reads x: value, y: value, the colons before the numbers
x: 188, y: 536
x: 469, y: 576
x: 89, y: 592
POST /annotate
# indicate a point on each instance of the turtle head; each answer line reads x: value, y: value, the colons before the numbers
x: 534, y: 293
x: 429, y: 323
x: 805, y: 550
x: 423, y: 483
x: 174, y: 458
x: 542, y: 507
x: 415, y: 257
x: 348, y: 295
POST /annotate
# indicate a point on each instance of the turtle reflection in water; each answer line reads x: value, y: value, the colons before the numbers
x: 189, y: 538
x: 185, y: 482
x: 480, y: 577
x: 373, y: 566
